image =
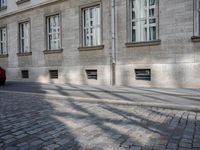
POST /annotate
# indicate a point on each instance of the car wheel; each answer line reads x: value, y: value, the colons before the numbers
x: 2, y: 82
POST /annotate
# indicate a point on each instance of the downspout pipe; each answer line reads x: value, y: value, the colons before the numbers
x: 113, y: 30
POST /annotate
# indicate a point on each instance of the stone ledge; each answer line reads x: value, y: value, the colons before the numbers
x: 24, y: 54
x: 4, y: 56
x: 53, y: 51
x: 195, y: 38
x: 3, y: 8
x: 91, y: 48
x: 22, y: 1
x: 146, y: 43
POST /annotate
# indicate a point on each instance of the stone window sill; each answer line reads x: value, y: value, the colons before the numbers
x: 24, y: 54
x: 21, y: 1
x: 91, y: 48
x: 4, y: 56
x: 195, y: 38
x: 3, y: 8
x: 53, y: 51
x: 146, y: 43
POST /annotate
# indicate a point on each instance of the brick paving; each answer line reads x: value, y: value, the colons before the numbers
x: 39, y: 122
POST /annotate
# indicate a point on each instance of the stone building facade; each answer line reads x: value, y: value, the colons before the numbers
x: 152, y: 43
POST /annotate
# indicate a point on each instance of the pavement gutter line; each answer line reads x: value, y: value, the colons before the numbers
x: 112, y: 101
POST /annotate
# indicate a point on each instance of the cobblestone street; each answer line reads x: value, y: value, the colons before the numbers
x: 40, y: 122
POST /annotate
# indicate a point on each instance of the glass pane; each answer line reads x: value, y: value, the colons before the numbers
x: 92, y: 41
x: 133, y: 35
x: 26, y: 36
x: 151, y: 2
x: 199, y: 4
x: 151, y: 12
x: 1, y: 48
x: 22, y: 28
x: 1, y: 35
x: 50, y: 38
x: 22, y: 46
x: 145, y: 34
x: 152, y: 21
x: 152, y: 33
x: 199, y: 23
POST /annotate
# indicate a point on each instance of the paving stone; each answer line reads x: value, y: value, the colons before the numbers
x: 7, y: 137
x: 196, y: 145
x: 51, y: 147
x: 186, y: 141
x: 21, y: 136
x: 9, y: 140
x: 37, y: 123
x: 63, y: 141
x: 135, y: 148
x: 172, y: 145
x: 185, y: 145
x: 36, y: 143
x: 11, y: 148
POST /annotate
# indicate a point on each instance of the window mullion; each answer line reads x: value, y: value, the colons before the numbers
x: 1, y: 42
x: 148, y: 26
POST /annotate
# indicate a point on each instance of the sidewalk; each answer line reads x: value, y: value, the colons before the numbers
x: 178, y: 98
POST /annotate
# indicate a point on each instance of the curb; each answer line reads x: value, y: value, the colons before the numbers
x: 112, y: 101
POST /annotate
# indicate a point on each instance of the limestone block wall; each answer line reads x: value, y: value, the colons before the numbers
x: 71, y: 63
x: 173, y: 63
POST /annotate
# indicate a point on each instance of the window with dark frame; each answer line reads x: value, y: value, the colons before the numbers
x: 198, y: 17
x: 143, y: 74
x: 24, y: 37
x: 53, y: 74
x: 25, y: 74
x: 3, y: 41
x: 143, y: 20
x: 53, y: 32
x: 91, y: 26
x: 91, y: 74
x: 3, y: 3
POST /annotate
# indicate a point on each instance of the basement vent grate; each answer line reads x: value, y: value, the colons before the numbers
x: 91, y: 74
x: 143, y: 74
x: 25, y: 74
x: 53, y: 74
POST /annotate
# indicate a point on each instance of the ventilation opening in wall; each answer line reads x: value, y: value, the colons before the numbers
x: 143, y: 74
x: 25, y: 74
x: 53, y: 74
x: 91, y: 74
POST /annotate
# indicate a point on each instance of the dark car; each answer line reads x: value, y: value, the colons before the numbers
x: 2, y: 76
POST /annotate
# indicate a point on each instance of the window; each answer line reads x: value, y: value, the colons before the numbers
x: 91, y: 26
x: 24, y: 37
x: 143, y: 74
x: 53, y: 32
x: 25, y: 74
x: 91, y: 74
x: 198, y: 17
x: 143, y: 20
x: 3, y: 41
x: 53, y: 74
x: 2, y: 4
